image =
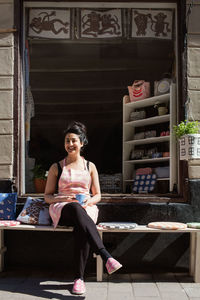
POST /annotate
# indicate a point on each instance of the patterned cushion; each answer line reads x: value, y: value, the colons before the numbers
x: 117, y: 225
x: 167, y: 225
x: 193, y: 225
x: 35, y: 211
x: 8, y: 206
x: 144, y: 183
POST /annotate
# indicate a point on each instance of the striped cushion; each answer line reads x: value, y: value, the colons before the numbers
x: 167, y: 225
x: 9, y: 223
x: 193, y: 225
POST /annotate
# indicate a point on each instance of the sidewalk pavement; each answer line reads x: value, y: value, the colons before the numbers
x: 17, y: 285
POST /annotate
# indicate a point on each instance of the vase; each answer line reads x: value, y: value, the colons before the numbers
x: 162, y: 110
x: 40, y: 185
x: 189, y: 146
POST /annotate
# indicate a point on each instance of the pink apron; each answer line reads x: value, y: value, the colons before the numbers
x: 73, y: 182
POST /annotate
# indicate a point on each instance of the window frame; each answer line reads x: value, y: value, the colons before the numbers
x: 136, y: 4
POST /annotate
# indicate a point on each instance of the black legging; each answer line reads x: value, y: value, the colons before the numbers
x: 86, y: 235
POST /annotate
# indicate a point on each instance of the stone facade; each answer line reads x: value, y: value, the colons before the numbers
x: 6, y: 83
x: 193, y: 75
x: 6, y: 89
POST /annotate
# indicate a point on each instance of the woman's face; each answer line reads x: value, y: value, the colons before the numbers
x: 73, y: 144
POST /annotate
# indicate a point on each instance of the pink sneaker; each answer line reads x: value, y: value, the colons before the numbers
x: 78, y: 287
x: 112, y: 265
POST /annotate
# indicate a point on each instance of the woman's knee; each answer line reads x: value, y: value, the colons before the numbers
x: 75, y: 207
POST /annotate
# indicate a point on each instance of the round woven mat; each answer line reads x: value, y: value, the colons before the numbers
x: 194, y: 225
x: 167, y: 225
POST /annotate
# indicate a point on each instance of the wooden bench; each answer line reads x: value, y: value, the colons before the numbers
x: 28, y: 228
x: 194, y: 267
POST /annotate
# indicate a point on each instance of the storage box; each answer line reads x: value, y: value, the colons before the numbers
x: 162, y: 172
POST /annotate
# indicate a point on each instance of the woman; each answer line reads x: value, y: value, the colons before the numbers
x: 78, y: 177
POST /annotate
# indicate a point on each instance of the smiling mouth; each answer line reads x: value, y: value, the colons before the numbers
x: 71, y: 148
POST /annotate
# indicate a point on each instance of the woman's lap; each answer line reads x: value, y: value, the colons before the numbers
x: 66, y: 218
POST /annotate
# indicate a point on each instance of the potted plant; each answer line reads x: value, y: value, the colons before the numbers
x: 39, y: 178
x: 189, y: 139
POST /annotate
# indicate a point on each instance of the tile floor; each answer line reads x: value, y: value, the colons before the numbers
x: 15, y: 285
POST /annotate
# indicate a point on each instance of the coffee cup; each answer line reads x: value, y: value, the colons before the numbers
x: 80, y: 198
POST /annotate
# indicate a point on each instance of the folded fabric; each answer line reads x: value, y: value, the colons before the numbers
x: 139, y: 136
x: 35, y: 211
x: 144, y: 171
x: 149, y: 134
x: 151, y: 151
x: 137, y: 153
x: 166, y: 154
x: 157, y: 155
x: 8, y: 206
x: 9, y: 223
x: 137, y: 115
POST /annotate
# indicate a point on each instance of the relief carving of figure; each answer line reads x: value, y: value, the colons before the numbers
x: 93, y: 21
x: 160, y: 24
x: 108, y: 22
x: 141, y: 21
x: 98, y: 25
x: 45, y: 24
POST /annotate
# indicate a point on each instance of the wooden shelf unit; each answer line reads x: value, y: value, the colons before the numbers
x: 129, y: 143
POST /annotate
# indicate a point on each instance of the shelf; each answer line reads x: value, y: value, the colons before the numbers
x: 166, y: 143
x: 159, y: 139
x: 70, y: 70
x: 147, y: 160
x: 75, y: 89
x: 149, y: 121
x: 158, y: 179
x: 149, y: 101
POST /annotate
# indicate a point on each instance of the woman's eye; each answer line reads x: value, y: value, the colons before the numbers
x: 73, y: 141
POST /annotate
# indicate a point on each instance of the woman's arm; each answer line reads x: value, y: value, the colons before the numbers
x: 95, y: 187
x: 50, y: 189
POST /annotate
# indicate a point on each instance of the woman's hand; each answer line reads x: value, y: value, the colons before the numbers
x: 87, y: 202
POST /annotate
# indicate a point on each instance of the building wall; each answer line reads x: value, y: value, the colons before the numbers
x: 6, y: 84
x: 6, y: 89
x: 144, y: 251
x: 193, y: 75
